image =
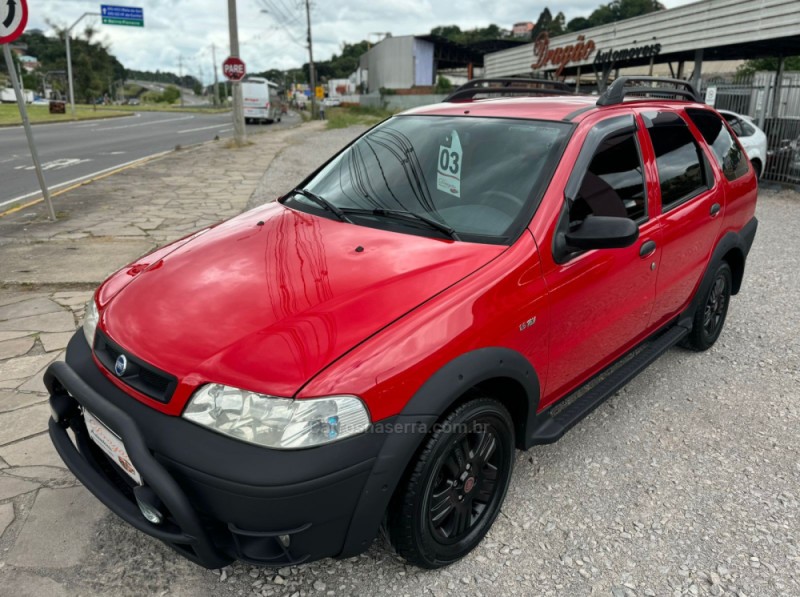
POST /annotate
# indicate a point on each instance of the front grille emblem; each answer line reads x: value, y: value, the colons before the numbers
x: 121, y: 365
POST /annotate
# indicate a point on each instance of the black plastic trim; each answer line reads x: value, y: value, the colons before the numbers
x: 619, y: 89
x: 225, y: 499
x: 550, y: 428
x: 508, y: 86
x: 62, y: 383
x: 140, y: 375
x: 415, y: 422
x: 569, y: 117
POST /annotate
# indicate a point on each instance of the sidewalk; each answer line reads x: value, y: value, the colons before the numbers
x: 48, y: 272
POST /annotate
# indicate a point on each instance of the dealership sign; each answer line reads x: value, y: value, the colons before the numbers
x: 579, y: 52
x: 560, y: 57
x: 611, y: 56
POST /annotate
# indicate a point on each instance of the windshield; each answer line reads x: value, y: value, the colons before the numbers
x: 478, y: 179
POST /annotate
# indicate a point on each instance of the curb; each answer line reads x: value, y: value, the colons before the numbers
x: 89, y: 180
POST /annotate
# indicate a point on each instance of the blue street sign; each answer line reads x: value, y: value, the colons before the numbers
x: 122, y: 15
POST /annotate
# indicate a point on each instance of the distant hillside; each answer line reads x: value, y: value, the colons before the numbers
x: 158, y: 76
x: 94, y: 68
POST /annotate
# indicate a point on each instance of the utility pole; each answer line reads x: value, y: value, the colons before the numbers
x: 67, y: 35
x: 216, y: 80
x: 180, y: 78
x: 311, y: 74
x: 239, y: 132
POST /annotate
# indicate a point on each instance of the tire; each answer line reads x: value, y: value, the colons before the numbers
x: 709, y: 319
x: 441, y: 510
x: 757, y: 167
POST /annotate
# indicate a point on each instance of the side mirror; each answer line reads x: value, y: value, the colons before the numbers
x: 602, y: 232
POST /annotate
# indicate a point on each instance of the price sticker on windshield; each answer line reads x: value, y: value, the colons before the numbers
x: 448, y: 175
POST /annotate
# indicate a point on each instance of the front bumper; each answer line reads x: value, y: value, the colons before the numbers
x: 224, y: 500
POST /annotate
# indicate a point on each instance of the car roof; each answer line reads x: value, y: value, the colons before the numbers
x: 571, y: 108
x: 552, y: 107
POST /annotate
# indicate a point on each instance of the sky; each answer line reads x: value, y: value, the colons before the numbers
x: 186, y: 29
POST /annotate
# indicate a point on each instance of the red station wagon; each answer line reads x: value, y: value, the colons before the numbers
x: 463, y: 280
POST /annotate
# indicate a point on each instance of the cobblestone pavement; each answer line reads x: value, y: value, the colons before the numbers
x: 685, y: 483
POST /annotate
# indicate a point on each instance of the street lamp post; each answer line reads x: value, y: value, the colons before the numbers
x: 69, y: 58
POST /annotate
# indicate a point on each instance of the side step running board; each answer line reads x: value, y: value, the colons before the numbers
x: 551, y: 427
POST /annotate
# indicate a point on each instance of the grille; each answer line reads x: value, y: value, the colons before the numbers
x: 141, y: 376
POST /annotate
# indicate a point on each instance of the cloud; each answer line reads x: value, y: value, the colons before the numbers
x: 184, y: 28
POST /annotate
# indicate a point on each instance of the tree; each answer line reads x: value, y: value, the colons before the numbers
x: 170, y: 95
x: 94, y: 67
x: 454, y: 33
x: 771, y: 64
x: 579, y: 24
x: 559, y: 25
x: 443, y: 85
x: 543, y: 23
x: 614, y: 11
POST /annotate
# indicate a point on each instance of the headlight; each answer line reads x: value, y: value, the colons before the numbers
x: 90, y: 319
x: 276, y: 422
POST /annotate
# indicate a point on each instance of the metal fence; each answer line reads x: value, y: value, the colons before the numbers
x: 775, y: 109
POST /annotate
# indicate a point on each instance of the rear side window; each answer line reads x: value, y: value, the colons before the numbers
x: 681, y: 166
x: 729, y: 156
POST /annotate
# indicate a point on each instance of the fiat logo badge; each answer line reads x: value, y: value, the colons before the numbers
x: 121, y: 365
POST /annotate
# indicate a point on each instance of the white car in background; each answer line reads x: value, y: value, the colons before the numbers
x: 752, y: 138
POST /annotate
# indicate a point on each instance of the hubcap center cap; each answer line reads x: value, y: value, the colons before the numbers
x: 469, y: 484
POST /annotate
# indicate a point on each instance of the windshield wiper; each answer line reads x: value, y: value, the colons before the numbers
x: 409, y: 215
x: 324, y: 203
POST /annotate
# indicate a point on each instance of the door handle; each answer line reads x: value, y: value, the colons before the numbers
x: 647, y: 248
x: 715, y: 210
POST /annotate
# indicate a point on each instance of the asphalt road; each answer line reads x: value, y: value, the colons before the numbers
x: 74, y: 151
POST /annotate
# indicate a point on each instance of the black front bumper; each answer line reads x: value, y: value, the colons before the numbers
x: 224, y: 499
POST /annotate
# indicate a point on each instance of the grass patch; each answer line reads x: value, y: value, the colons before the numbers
x: 9, y: 114
x: 342, y: 117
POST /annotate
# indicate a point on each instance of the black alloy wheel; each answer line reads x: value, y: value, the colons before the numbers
x: 710, y: 318
x: 456, y: 485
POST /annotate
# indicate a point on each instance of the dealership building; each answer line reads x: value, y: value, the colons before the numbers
x: 682, y: 38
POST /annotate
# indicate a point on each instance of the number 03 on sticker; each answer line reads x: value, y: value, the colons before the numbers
x: 448, y: 175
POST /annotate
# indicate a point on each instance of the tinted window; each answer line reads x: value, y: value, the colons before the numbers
x: 747, y: 129
x: 729, y: 156
x: 680, y: 162
x: 614, y: 183
x: 479, y: 176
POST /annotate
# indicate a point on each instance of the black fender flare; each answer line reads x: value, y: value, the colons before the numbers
x: 742, y: 241
x: 408, y: 430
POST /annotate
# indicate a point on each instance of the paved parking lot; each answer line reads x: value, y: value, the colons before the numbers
x: 685, y: 483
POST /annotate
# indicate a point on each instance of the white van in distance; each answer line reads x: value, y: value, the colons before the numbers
x: 261, y: 101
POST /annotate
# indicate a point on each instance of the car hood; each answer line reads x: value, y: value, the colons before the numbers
x: 268, y: 299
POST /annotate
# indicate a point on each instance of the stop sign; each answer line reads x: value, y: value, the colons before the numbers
x: 233, y: 68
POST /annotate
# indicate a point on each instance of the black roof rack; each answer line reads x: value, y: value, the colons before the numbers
x: 508, y: 86
x: 619, y: 89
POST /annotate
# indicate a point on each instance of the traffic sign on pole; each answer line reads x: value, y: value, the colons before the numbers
x: 234, y: 69
x: 13, y: 18
x: 26, y: 123
x: 129, y: 16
